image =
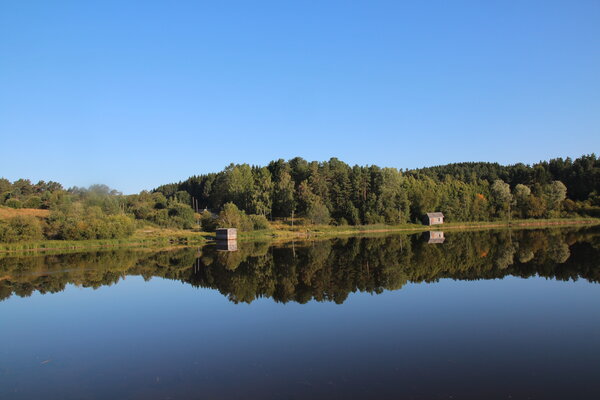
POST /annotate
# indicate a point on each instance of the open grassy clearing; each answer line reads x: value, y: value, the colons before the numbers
x: 7, y: 212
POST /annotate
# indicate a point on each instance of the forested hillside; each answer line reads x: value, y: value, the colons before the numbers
x: 336, y: 192
x: 581, y: 176
x: 330, y: 192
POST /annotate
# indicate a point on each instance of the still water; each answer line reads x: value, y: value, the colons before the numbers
x: 471, y: 315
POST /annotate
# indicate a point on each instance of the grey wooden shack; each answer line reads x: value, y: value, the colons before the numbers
x: 227, y: 245
x: 436, y: 237
x: 226, y: 234
x: 434, y: 218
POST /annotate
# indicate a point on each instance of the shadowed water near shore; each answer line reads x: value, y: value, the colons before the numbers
x: 487, y: 314
x: 325, y: 270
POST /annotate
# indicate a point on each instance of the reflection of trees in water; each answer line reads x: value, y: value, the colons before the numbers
x: 327, y: 270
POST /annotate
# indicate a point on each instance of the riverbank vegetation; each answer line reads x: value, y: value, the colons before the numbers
x: 284, y: 194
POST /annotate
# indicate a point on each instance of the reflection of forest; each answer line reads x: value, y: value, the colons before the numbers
x: 321, y: 270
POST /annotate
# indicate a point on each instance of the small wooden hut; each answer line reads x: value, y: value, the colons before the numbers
x: 436, y: 237
x: 226, y: 234
x: 434, y: 218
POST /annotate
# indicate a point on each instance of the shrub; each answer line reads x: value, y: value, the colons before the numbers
x: 233, y: 217
x: 33, y: 202
x: 20, y: 228
x: 342, y: 222
x: 142, y: 211
x: 208, y: 221
x: 230, y: 217
x: 259, y: 222
x: 374, y: 218
x: 181, y: 216
x: 121, y: 226
x: 13, y: 203
x: 318, y: 213
x: 88, y: 226
x: 160, y: 201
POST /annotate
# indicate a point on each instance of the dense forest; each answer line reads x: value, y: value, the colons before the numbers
x: 330, y: 192
x: 335, y: 192
x: 326, y: 270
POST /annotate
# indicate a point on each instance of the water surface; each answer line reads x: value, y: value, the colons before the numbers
x: 479, y: 315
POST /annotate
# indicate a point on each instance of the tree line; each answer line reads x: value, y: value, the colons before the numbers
x: 330, y: 192
x: 335, y: 192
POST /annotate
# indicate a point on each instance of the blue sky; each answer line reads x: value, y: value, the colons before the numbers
x: 136, y: 94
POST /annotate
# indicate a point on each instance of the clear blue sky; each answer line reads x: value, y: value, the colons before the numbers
x: 136, y: 94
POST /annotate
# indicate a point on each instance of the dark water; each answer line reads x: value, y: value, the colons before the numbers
x: 483, y: 315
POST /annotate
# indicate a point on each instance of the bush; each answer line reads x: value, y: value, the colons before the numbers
x: 142, y: 211
x: 318, y: 213
x: 259, y: 222
x: 233, y: 217
x: 13, y: 203
x: 33, y: 202
x: 20, y: 228
x: 230, y: 217
x: 156, y: 209
x: 342, y: 222
x: 121, y: 226
x: 208, y: 221
x: 374, y: 218
x: 90, y: 226
x: 160, y: 201
x: 181, y: 216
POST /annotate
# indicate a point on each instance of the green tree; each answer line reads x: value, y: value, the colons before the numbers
x: 317, y: 212
x: 393, y: 201
x: 521, y: 194
x: 241, y: 186
x: 232, y: 217
x: 208, y: 221
x: 555, y: 193
x: 283, y: 197
x: 502, y: 197
x: 181, y: 215
x: 262, y: 195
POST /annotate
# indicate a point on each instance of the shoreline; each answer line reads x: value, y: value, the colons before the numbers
x: 184, y: 238
x: 332, y: 231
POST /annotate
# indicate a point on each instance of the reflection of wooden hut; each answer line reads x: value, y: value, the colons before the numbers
x: 226, y: 234
x: 434, y: 218
x: 436, y: 237
x: 227, y: 245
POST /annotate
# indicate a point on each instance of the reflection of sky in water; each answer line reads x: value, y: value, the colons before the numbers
x: 468, y: 339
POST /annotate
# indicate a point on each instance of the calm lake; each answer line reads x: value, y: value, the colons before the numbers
x: 460, y: 315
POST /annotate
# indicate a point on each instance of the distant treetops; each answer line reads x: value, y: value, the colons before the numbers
x: 331, y: 192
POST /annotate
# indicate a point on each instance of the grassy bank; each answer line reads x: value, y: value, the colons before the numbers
x: 159, y: 238
x: 286, y: 230
x: 153, y: 237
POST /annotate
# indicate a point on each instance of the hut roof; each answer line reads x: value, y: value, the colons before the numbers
x: 435, y: 215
